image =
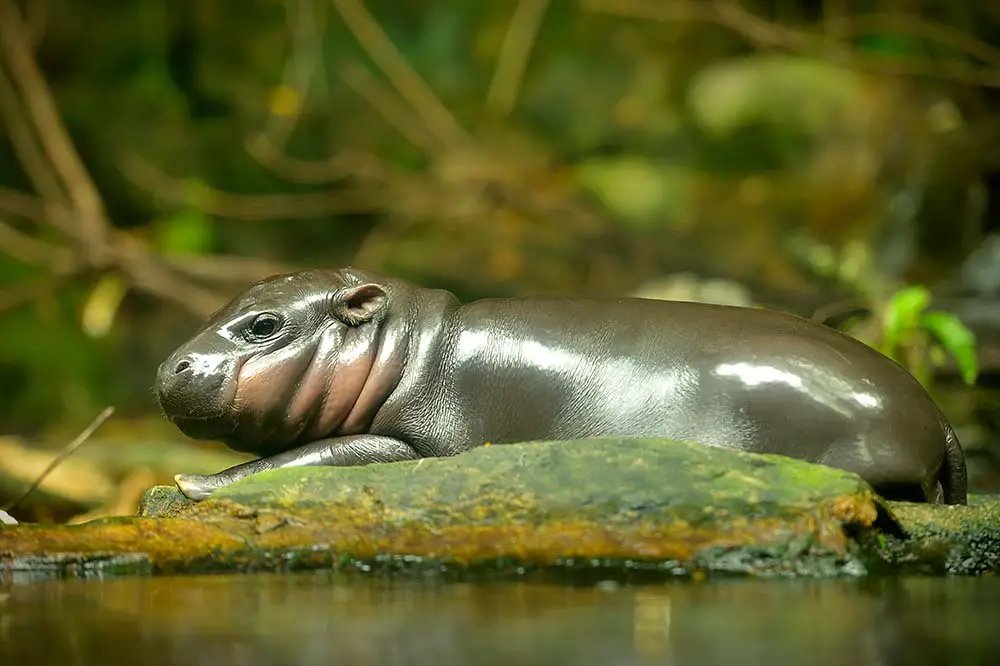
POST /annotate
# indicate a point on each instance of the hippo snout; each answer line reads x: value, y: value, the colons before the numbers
x: 195, y: 391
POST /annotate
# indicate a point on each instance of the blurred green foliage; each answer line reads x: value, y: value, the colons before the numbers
x: 918, y: 338
x: 636, y: 147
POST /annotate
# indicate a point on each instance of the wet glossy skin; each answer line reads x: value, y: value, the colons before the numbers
x: 357, y: 368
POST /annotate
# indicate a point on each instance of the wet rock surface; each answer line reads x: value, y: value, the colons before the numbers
x: 617, y: 507
x: 961, y: 540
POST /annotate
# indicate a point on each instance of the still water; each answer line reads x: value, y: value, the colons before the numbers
x: 317, y: 619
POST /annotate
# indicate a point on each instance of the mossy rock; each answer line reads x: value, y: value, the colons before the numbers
x: 941, y: 539
x: 636, y: 508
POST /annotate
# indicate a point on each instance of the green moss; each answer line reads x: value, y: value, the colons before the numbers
x: 617, y: 479
x: 609, y: 508
x: 942, y: 539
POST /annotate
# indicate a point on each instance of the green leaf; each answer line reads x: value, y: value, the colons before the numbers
x: 902, y: 314
x: 196, y: 193
x: 102, y: 305
x: 957, y: 339
x: 891, y: 45
x: 187, y: 232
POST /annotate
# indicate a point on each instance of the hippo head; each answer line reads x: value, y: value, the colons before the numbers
x: 285, y: 362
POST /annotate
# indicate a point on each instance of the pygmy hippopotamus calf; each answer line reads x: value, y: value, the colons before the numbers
x: 348, y: 367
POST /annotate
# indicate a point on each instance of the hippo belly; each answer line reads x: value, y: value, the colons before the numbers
x: 764, y: 390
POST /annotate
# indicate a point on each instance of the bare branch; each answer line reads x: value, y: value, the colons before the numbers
x: 29, y: 154
x: 513, y: 58
x: 142, y: 268
x: 74, y: 208
x: 36, y: 16
x: 21, y: 294
x: 387, y: 57
x: 300, y: 68
x: 914, y: 26
x: 53, y: 213
x: 339, y: 167
x: 23, y: 205
x: 149, y: 273
x: 222, y: 268
x: 17, y: 49
x: 162, y: 277
x: 383, y: 101
x: 246, y: 206
x: 28, y: 292
x: 33, y: 251
x: 764, y: 33
x: 65, y: 453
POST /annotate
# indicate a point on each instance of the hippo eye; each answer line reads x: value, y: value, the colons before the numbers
x: 264, y: 326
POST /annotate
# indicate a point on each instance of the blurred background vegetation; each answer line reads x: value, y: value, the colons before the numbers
x: 156, y: 157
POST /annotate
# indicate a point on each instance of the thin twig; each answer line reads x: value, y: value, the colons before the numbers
x: 149, y: 272
x: 914, y: 26
x: 33, y: 251
x: 144, y: 269
x: 338, y: 167
x: 245, y: 206
x: 387, y: 57
x: 65, y: 453
x: 839, y: 310
x: 382, y: 100
x: 52, y: 132
x: 513, y: 58
x: 52, y: 213
x: 764, y: 33
x: 28, y: 292
x: 21, y: 204
x: 36, y: 17
x: 45, y: 151
x: 222, y: 268
x: 29, y: 154
x: 267, y: 146
x: 300, y: 68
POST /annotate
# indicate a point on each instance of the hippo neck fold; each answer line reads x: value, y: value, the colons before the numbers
x: 408, y: 330
x: 417, y: 327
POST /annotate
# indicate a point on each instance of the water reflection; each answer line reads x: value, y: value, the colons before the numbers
x: 322, y: 620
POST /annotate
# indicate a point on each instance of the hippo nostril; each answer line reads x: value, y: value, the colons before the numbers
x: 182, y: 366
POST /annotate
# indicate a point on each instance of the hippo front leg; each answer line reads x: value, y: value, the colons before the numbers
x: 350, y: 451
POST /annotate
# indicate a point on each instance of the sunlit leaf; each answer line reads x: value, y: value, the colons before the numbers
x: 902, y: 313
x: 187, y: 232
x: 892, y: 45
x: 197, y: 194
x: 284, y: 101
x: 102, y: 305
x: 784, y: 90
x: 640, y: 191
x: 957, y: 339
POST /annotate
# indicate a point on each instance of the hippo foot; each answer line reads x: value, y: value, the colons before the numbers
x: 196, y: 486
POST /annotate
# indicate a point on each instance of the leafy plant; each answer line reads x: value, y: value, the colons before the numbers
x: 899, y: 325
x: 921, y: 339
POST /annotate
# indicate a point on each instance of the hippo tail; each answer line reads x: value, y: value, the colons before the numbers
x: 954, y: 473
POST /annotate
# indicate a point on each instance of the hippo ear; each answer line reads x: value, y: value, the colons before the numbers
x: 358, y: 304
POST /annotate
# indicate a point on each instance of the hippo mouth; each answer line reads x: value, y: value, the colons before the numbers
x: 205, y: 427
x: 199, y: 401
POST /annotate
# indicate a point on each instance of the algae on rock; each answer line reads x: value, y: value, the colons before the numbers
x: 608, y: 508
x: 616, y: 504
x: 940, y: 539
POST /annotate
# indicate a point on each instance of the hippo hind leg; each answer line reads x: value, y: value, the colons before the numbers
x: 894, y: 477
x: 910, y: 492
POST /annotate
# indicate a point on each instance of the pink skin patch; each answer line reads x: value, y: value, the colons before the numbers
x: 384, y: 369
x: 305, y: 391
x: 333, y: 382
x: 264, y: 385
